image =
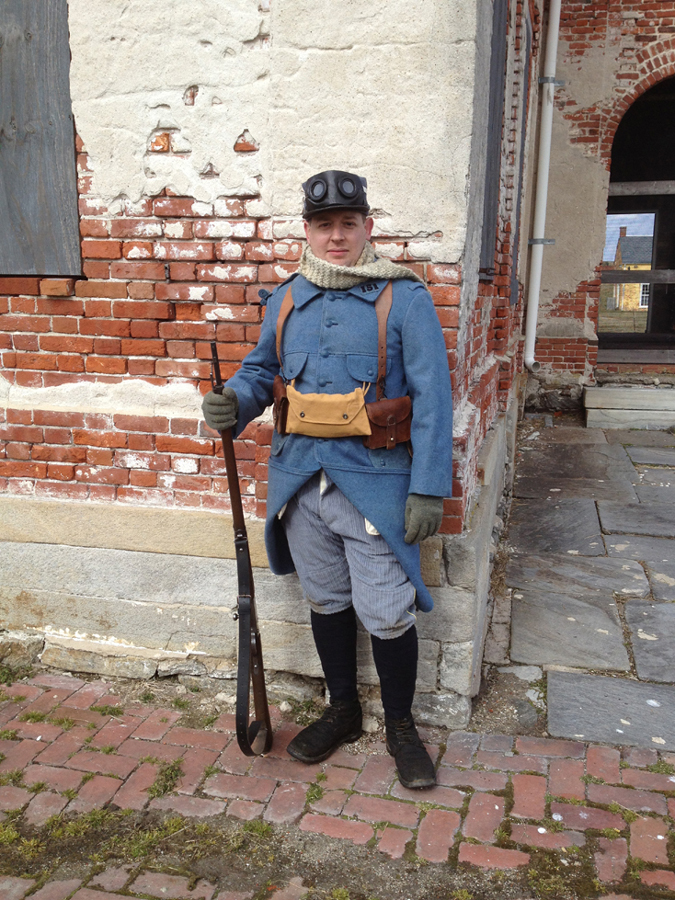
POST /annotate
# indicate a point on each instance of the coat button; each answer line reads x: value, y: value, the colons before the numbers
x: 370, y: 371
x: 323, y: 382
x: 325, y: 353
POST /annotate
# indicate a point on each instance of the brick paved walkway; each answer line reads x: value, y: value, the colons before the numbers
x: 499, y: 799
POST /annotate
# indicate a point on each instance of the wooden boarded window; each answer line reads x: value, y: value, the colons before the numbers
x: 39, y: 232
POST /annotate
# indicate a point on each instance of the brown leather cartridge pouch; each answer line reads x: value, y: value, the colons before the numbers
x: 280, y: 407
x: 390, y: 422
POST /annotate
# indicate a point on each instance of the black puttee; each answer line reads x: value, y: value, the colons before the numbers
x: 254, y: 738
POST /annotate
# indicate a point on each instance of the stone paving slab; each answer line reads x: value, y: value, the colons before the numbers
x: 652, y: 627
x: 555, y: 629
x: 662, y: 579
x: 642, y: 547
x: 652, y: 456
x: 654, y: 519
x: 611, y: 710
x: 577, y: 576
x: 550, y: 463
x: 536, y: 486
x: 565, y: 526
x: 564, y: 435
x: 639, y: 437
x: 659, y: 476
x: 653, y: 493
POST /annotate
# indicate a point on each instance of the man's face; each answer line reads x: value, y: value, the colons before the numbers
x: 338, y: 235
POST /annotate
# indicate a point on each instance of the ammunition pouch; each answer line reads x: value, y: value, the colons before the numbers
x: 321, y: 415
x: 382, y: 423
x: 280, y: 407
x: 390, y: 422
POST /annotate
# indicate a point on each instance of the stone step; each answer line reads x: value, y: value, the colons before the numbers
x: 630, y: 398
x: 630, y: 418
x: 629, y: 407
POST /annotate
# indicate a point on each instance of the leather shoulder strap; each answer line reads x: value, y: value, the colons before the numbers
x: 382, y: 308
x: 284, y: 312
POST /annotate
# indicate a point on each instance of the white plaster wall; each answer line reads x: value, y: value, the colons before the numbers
x: 132, y: 62
x: 578, y: 186
x: 380, y: 88
x: 133, y: 397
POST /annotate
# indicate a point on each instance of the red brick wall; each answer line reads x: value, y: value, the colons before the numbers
x: 158, y: 275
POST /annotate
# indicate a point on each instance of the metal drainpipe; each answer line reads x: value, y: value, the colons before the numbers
x: 548, y: 83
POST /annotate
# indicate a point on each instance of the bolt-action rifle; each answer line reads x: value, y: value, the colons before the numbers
x: 254, y: 738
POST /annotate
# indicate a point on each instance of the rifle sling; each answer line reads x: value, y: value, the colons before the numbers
x: 254, y: 738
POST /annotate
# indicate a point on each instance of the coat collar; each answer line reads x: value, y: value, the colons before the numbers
x: 304, y: 290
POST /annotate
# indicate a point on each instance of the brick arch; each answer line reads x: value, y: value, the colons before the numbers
x: 653, y: 65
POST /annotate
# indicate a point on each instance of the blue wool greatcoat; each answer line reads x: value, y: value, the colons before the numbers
x: 330, y: 346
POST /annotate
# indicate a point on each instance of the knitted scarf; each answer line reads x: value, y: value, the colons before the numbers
x: 327, y: 275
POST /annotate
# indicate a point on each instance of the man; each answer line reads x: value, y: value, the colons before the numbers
x: 347, y: 518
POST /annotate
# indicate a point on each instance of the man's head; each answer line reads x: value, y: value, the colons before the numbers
x: 338, y: 235
x: 336, y: 216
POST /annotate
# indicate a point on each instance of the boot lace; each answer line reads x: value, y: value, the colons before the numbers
x: 333, y: 715
x: 405, y: 732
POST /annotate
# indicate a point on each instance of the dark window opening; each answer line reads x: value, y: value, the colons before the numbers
x: 514, y: 287
x: 637, y: 297
x: 494, y: 138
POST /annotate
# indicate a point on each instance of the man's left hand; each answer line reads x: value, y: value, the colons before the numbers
x: 423, y: 517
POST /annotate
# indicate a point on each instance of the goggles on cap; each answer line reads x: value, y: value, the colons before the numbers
x: 334, y: 190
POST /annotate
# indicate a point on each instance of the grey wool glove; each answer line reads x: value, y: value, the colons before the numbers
x: 221, y: 410
x: 423, y: 517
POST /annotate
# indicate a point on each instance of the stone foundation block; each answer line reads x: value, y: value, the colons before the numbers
x: 442, y: 710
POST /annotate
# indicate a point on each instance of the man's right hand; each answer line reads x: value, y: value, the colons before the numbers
x: 221, y: 410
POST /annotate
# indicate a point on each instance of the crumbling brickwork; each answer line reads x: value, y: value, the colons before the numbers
x: 612, y: 51
x: 163, y: 279
x: 167, y: 274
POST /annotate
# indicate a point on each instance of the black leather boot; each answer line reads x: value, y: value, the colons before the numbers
x: 414, y: 765
x: 340, y: 724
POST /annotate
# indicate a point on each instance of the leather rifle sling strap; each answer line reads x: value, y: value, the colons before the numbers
x: 254, y: 738
x: 382, y: 309
x: 284, y: 312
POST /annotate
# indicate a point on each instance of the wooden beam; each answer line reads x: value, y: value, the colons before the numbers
x: 39, y: 233
x: 638, y: 276
x: 641, y: 188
